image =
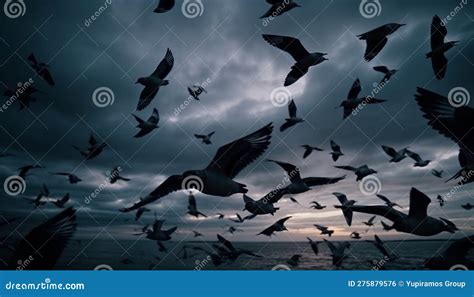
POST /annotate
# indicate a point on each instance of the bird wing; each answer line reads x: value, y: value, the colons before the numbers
x: 418, y: 204
x: 341, y: 197
x: 233, y: 157
x: 157, y: 225
x: 335, y: 147
x: 382, y: 69
x: 371, y: 220
x: 164, y: 6
x: 282, y: 221
x: 389, y: 150
x: 374, y: 46
x: 32, y: 59
x: 355, y: 90
x: 438, y: 32
x: 440, y: 65
x: 288, y: 44
x: 320, y: 181
x: 380, y: 210
x: 146, y: 96
x: 385, y: 199
x: 46, y: 242
x: 225, y: 242
x: 331, y: 246
x: 350, y: 168
x: 46, y: 75
x: 413, y: 155
x: 291, y: 170
x: 171, y: 184
x: 296, y: 73
x: 155, y: 117
x: 286, y: 125
x: 92, y: 140
x: 165, y: 65
x: 292, y: 109
x: 192, y: 203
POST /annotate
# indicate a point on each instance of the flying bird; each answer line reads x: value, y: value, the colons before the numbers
x: 148, y: 125
x: 217, y: 178
x: 114, y: 175
x: 336, y: 151
x: 353, y: 102
x: 260, y: 207
x: 293, y: 119
x: 317, y: 206
x: 338, y: 251
x: 419, y: 162
x: 467, y: 206
x: 195, y: 91
x: 309, y: 149
x: 324, y: 230
x: 278, y: 226
x: 206, y: 139
x: 23, y: 95
x: 456, y: 254
x: 396, y: 156
x: 314, y: 245
x: 387, y: 201
x: 303, y: 58
x: 294, y: 260
x: 355, y: 235
x: 360, y: 172
x: 220, y: 216
x: 197, y: 234
x: 439, y: 47
x: 370, y: 222
x: 164, y: 6
x: 376, y: 39
x: 73, y: 179
x: 156, y: 80
x: 238, y: 219
x: 437, y: 173
x: 93, y: 150
x: 388, y: 73
x: 41, y: 69
x: 227, y: 250
x: 158, y: 234
x: 346, y: 206
x: 192, y: 207
x: 232, y: 229
x: 61, y: 202
x: 23, y: 171
x: 279, y: 7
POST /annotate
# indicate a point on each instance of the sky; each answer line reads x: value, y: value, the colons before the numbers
x: 223, y: 47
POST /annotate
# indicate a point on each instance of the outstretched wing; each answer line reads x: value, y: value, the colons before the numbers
x: 288, y: 44
x: 291, y: 170
x: 320, y: 181
x: 438, y: 32
x: 165, y: 65
x: 389, y: 150
x: 292, y: 109
x: 355, y: 90
x: 382, y: 69
x: 155, y: 117
x: 164, y: 6
x: 418, y: 204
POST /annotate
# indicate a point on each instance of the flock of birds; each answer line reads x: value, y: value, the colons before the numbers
x: 48, y: 240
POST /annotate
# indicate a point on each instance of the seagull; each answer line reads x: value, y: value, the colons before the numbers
x: 73, y: 179
x: 114, y: 176
x: 220, y: 216
x: 93, y: 150
x: 293, y: 119
x: 380, y: 245
x: 278, y: 226
x: 22, y: 171
x: 238, y: 219
x: 360, y: 172
x: 396, y: 156
x: 140, y: 212
x: 345, y: 206
x: 46, y: 242
x: 441, y: 200
x: 164, y: 6
x: 232, y: 229
x: 294, y: 260
x: 455, y: 254
x: 61, y: 202
x: 217, y: 178
x: 353, y: 103
x: 309, y: 149
x: 377, y: 38
x: 336, y: 151
x: 292, y: 199
x: 387, y: 201
x: 159, y: 235
x: 195, y: 91
x: 39, y: 201
x: 148, y: 125
x: 192, y: 207
x: 303, y: 58
x: 317, y: 206
x: 228, y: 251
x: 370, y: 222
x: 355, y: 235
x: 324, y: 230
x: 197, y: 234
x: 23, y: 95
x: 437, y: 173
x: 259, y: 207
x: 453, y: 122
x: 41, y: 69
x: 206, y: 139
x: 300, y: 185
x: 388, y: 73
x: 417, y: 221
x: 314, y: 245
x: 467, y: 206
x: 439, y: 47
x: 279, y: 7
x: 338, y: 251
x: 419, y: 162
x: 156, y: 80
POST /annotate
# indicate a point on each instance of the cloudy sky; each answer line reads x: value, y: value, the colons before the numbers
x: 224, y: 46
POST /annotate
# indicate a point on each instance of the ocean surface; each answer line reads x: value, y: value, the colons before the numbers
x: 144, y: 255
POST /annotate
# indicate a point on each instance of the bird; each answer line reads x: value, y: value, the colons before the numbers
x: 355, y: 235
x: 232, y: 229
x: 192, y: 207
x: 278, y: 226
x: 23, y: 171
x: 376, y: 39
x: 441, y: 200
x: 380, y: 245
x: 338, y: 251
x: 437, y: 173
x: 279, y: 7
x: 238, y: 219
x: 388, y: 73
x: 387, y: 201
x: 206, y: 139
x: 417, y: 221
x: 140, y: 212
x: 93, y: 150
x: 227, y: 250
x: 360, y: 172
x: 303, y: 58
x: 114, y: 175
x: 73, y: 179
x: 314, y: 245
x: 456, y: 254
x: 336, y: 151
x: 46, y: 242
x: 439, y: 47
x: 158, y: 234
x: 370, y: 222
x: 41, y: 69
x: 317, y: 206
x: 195, y: 91
x: 147, y: 126
x: 164, y: 6
x: 346, y: 206
x: 217, y: 178
x: 354, y: 103
x: 396, y: 156
x: 197, y: 234
x: 39, y: 201
x: 259, y: 207
x: 419, y: 162
x: 292, y: 199
x: 294, y: 260
x: 293, y: 119
x: 220, y: 216
x: 300, y: 185
x: 61, y: 202
x: 324, y: 230
x: 309, y: 149
x: 467, y: 206
x: 454, y: 123
x: 22, y: 94
x: 156, y: 80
